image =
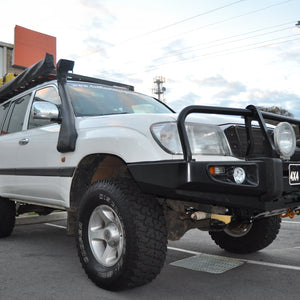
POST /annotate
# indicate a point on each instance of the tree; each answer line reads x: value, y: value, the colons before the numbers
x: 276, y: 110
x: 279, y: 111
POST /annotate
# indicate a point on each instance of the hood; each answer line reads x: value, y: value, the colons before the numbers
x: 139, y: 121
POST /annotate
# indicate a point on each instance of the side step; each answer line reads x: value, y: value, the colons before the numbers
x: 36, y: 219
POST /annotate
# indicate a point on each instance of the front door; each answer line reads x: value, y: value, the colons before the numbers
x: 39, y: 162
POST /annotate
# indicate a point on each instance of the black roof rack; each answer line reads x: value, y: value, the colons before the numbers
x: 77, y: 77
x: 40, y: 72
x: 44, y: 71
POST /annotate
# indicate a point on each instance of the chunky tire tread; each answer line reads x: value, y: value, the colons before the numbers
x: 7, y: 217
x: 262, y: 234
x: 145, y: 231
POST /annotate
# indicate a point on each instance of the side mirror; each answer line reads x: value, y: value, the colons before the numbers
x: 45, y: 111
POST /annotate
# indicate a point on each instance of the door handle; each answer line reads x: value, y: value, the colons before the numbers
x: 24, y: 142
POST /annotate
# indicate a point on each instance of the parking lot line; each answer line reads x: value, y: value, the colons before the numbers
x: 254, y: 262
x: 291, y: 222
x: 54, y: 225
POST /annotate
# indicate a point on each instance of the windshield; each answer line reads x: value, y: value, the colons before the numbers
x: 90, y: 99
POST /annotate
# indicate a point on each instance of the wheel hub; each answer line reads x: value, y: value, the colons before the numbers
x: 238, y: 229
x: 112, y: 235
x: 105, y: 233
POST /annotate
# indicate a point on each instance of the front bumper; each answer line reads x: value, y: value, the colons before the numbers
x: 267, y: 190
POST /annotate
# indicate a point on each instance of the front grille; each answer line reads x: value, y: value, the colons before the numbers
x: 237, y: 138
x: 296, y: 156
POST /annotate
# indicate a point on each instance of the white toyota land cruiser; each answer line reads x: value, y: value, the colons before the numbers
x: 132, y: 174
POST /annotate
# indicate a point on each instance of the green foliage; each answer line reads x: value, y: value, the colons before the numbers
x: 279, y: 111
x: 276, y: 110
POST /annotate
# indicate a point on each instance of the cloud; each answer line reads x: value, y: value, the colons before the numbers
x: 266, y: 98
x: 218, y: 91
x: 98, y: 4
x: 270, y: 97
x: 188, y: 99
x: 94, y: 45
x: 171, y: 53
x: 232, y: 89
x: 173, y: 47
x: 96, y: 15
x: 283, y: 99
x: 291, y: 55
x: 213, y: 81
x: 226, y: 88
x: 103, y: 22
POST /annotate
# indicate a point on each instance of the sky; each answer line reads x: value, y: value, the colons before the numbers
x: 220, y: 52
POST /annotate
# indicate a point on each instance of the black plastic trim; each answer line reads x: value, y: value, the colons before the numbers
x: 191, y: 181
x: 68, y: 134
x: 52, y: 172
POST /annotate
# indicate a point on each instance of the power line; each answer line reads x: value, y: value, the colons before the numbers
x: 252, y: 48
x: 213, y: 43
x: 237, y: 35
x: 221, y: 52
x: 230, y: 19
x: 211, y: 24
x: 248, y: 49
x: 166, y: 26
x: 180, y: 52
x: 184, y: 20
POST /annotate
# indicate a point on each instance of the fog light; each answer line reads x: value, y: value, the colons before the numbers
x: 239, y: 175
x: 285, y: 140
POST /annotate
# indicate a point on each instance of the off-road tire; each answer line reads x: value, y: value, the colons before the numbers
x: 143, y: 228
x: 261, y: 234
x: 7, y: 217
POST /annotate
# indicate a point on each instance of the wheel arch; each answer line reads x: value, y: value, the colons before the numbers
x: 90, y: 169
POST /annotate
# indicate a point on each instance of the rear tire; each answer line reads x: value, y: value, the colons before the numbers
x: 7, y: 217
x: 121, y: 235
x: 258, y: 235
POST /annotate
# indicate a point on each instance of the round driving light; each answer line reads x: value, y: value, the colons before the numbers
x: 239, y: 175
x: 285, y: 140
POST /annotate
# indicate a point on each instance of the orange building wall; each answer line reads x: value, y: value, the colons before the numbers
x: 31, y: 46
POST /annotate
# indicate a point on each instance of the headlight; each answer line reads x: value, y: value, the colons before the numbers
x: 285, y: 140
x: 204, y: 139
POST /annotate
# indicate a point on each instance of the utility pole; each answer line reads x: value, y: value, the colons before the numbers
x: 158, y: 88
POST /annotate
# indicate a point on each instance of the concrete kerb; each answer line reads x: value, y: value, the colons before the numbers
x: 28, y: 219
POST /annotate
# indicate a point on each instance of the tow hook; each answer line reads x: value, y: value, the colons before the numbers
x: 290, y: 213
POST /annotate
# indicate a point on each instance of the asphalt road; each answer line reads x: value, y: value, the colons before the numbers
x: 40, y: 262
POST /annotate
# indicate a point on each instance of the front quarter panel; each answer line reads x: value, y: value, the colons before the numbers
x: 126, y: 136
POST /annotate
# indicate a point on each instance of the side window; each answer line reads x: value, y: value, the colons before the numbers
x: 3, y: 111
x: 15, y: 118
x: 48, y: 94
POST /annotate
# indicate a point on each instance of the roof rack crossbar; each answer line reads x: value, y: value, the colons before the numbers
x: 77, y: 77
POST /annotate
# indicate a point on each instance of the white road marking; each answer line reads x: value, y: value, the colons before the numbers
x: 291, y: 222
x: 254, y: 262
x: 54, y: 225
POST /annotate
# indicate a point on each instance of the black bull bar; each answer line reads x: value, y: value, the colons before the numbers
x: 250, y: 113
